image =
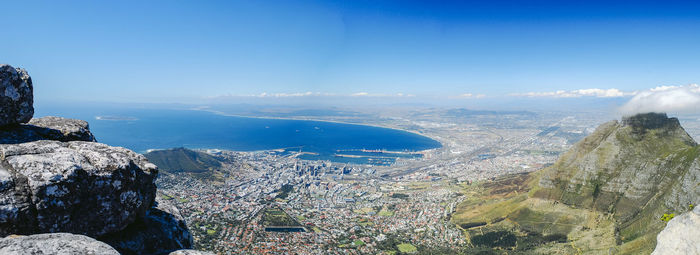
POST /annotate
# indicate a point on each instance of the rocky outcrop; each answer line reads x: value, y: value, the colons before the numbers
x: 16, y: 96
x: 659, y: 122
x: 47, y: 128
x: 681, y: 235
x: 162, y: 230
x: 190, y: 252
x: 62, y: 129
x: 57, y: 243
x: 635, y: 171
x: 77, y: 187
x: 54, y: 178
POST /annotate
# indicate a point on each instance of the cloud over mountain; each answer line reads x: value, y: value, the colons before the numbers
x: 676, y: 99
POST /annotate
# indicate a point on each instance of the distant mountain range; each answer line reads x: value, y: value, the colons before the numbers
x: 605, y: 195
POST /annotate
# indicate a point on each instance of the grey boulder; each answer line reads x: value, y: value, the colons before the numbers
x: 681, y: 235
x: 16, y: 96
x: 47, y: 128
x: 56, y: 243
x: 162, y: 230
x: 78, y: 187
x: 63, y: 129
x: 190, y: 252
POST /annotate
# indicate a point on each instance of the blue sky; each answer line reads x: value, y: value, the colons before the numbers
x: 184, y: 51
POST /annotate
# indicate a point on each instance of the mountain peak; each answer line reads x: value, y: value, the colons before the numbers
x: 657, y: 125
x: 651, y: 120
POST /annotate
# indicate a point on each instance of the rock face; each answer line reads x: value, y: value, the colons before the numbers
x: 16, y: 96
x: 162, y: 230
x: 660, y: 123
x: 635, y: 171
x: 62, y: 129
x: 47, y: 128
x: 190, y: 252
x: 58, y: 243
x: 54, y: 178
x: 681, y: 235
x: 77, y: 187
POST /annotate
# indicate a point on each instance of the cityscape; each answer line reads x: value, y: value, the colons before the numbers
x: 388, y: 127
x: 327, y: 207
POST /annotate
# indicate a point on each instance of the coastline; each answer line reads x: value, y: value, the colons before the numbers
x: 327, y: 121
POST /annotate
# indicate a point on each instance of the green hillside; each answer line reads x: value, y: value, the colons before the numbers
x: 183, y: 160
x: 605, y: 195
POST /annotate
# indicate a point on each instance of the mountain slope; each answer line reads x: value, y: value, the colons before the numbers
x: 182, y: 160
x: 635, y: 170
x: 613, y: 185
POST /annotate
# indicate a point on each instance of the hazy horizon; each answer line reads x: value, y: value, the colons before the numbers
x: 460, y: 54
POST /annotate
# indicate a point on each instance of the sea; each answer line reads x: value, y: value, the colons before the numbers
x: 147, y: 129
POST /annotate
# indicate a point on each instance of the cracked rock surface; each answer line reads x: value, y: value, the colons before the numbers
x: 55, y: 178
x: 162, y: 230
x: 16, y: 96
x: 78, y: 187
x: 56, y: 243
x: 47, y: 128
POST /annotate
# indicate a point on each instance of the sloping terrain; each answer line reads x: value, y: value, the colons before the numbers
x: 182, y: 160
x: 606, y: 194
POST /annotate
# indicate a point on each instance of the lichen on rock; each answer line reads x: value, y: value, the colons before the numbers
x: 55, y: 178
x: 161, y: 230
x: 63, y: 129
x: 56, y: 243
x: 16, y: 96
x: 77, y: 187
x: 47, y: 128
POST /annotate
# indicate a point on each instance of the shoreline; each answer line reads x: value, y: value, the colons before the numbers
x: 327, y: 121
x: 424, y: 152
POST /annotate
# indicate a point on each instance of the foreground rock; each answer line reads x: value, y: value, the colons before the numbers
x: 78, y: 187
x: 190, y: 252
x: 62, y: 129
x: 47, y: 128
x: 16, y: 96
x: 54, y: 177
x: 162, y: 230
x: 681, y: 235
x: 57, y: 243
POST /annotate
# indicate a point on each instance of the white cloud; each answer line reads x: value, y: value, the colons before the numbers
x: 601, y: 92
x: 298, y: 94
x: 595, y: 92
x: 365, y: 94
x: 359, y: 94
x: 662, y: 88
x: 470, y: 95
x: 677, y: 99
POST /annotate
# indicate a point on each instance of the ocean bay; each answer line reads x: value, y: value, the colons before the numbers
x: 146, y: 129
